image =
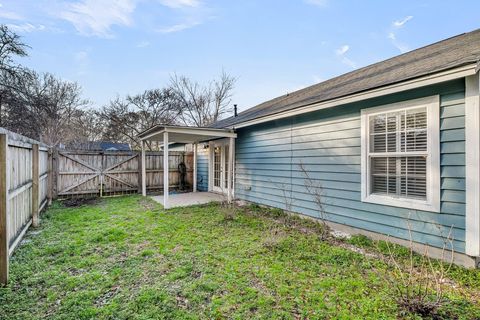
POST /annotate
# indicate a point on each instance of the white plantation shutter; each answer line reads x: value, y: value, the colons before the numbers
x: 398, y: 152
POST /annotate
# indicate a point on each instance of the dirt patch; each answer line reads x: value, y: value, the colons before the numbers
x: 78, y: 202
x: 107, y: 296
x: 147, y: 204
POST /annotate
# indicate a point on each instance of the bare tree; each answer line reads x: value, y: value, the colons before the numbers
x: 203, y: 105
x: 126, y: 118
x: 44, y: 108
x: 89, y: 126
x: 11, y: 73
x: 10, y: 46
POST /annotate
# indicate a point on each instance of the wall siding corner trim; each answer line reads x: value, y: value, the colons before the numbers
x: 472, y: 158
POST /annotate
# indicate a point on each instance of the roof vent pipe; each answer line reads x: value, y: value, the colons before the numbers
x: 235, y: 110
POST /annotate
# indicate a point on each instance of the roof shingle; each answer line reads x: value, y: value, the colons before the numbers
x: 447, y: 54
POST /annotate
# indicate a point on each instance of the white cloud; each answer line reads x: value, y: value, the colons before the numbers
x: 349, y: 62
x: 143, y: 44
x: 191, y: 13
x: 96, y: 17
x: 81, y: 56
x: 82, y: 61
x: 178, y: 27
x: 342, y: 50
x: 401, y: 46
x: 9, y: 15
x: 345, y: 60
x: 392, y: 35
x: 401, y: 23
x: 25, y: 27
x: 180, y: 3
x: 319, y: 3
x: 317, y: 79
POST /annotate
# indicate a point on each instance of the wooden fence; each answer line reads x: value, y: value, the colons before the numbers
x: 93, y: 173
x: 31, y: 175
x: 25, y: 177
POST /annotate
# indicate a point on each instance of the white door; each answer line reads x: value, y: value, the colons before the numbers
x: 220, y: 167
x: 217, y: 169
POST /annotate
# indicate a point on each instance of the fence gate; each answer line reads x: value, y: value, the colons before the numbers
x: 96, y: 173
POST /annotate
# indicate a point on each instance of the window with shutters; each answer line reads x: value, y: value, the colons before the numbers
x: 400, y: 154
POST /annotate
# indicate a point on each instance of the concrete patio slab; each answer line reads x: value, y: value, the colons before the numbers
x: 190, y: 198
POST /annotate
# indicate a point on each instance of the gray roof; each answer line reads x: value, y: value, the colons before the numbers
x: 454, y: 52
x: 107, y: 145
x: 101, y: 146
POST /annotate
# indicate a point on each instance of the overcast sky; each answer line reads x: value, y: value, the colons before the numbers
x: 119, y: 47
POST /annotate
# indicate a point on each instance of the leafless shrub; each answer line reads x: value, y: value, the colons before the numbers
x: 286, y: 195
x: 229, y: 212
x: 229, y: 209
x: 417, y: 283
x: 273, y: 237
x: 315, y: 189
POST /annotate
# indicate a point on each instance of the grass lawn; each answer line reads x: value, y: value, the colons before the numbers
x: 126, y: 258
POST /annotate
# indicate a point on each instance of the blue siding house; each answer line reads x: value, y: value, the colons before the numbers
x: 394, y: 148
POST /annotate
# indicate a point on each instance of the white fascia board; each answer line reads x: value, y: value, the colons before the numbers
x: 203, y: 132
x: 394, y: 88
x: 155, y: 133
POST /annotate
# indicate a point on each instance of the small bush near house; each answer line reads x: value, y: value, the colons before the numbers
x: 127, y: 258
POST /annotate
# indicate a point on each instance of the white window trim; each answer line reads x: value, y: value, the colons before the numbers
x: 433, y: 163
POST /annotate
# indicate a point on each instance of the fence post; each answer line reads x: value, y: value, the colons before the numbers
x: 100, y: 177
x: 50, y: 176
x: 139, y: 158
x: 3, y: 209
x: 55, y: 173
x: 144, y: 170
x: 35, y: 183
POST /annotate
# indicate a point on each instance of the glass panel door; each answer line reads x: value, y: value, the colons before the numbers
x: 217, y: 169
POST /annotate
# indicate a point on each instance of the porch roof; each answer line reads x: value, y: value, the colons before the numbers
x: 183, y: 134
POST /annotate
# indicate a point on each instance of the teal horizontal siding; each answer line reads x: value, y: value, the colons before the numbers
x: 453, y: 184
x: 202, y: 169
x: 327, y: 144
x: 452, y: 135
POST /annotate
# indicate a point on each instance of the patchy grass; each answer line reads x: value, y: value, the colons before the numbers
x: 126, y: 258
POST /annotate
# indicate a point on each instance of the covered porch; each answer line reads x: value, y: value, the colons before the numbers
x: 166, y: 135
x: 190, y: 199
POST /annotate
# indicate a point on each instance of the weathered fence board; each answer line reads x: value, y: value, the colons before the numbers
x: 31, y: 174
x: 115, y: 172
x: 3, y: 209
x: 23, y: 190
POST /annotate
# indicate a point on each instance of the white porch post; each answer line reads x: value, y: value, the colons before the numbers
x: 144, y: 171
x: 210, y: 165
x: 195, y: 145
x: 472, y: 159
x: 230, y: 170
x: 165, y: 170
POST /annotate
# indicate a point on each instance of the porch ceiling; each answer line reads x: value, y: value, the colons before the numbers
x: 185, y: 134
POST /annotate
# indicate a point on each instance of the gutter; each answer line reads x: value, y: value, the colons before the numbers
x: 439, y: 77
